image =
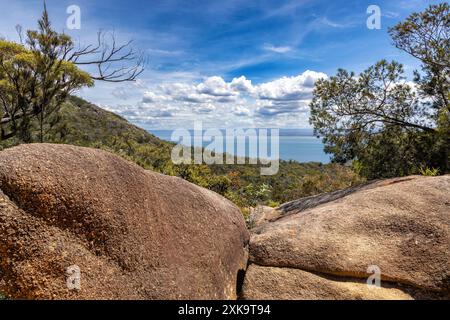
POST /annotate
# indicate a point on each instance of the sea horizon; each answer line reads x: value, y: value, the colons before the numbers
x: 300, y: 145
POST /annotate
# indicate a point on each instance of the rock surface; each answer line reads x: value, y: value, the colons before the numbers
x: 134, y: 234
x: 314, y: 248
x: 268, y: 283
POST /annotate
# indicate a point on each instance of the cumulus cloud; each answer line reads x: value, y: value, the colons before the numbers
x: 290, y: 88
x: 227, y: 102
x: 215, y: 86
x: 241, y: 84
x: 270, y: 109
x: 205, y: 108
x: 150, y: 97
x: 241, y: 111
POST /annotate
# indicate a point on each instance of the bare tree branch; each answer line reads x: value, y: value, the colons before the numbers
x: 107, y: 55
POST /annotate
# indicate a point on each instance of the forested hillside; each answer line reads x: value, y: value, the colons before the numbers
x: 81, y: 123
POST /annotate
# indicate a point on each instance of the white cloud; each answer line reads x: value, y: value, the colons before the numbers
x: 241, y: 111
x: 269, y: 109
x: 333, y: 24
x: 182, y: 92
x: 150, y: 97
x: 220, y: 103
x: 215, y: 86
x: 205, y: 108
x: 281, y: 49
x: 290, y: 88
x: 390, y: 14
x: 241, y: 84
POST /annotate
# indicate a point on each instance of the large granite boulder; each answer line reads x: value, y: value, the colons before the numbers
x: 325, y: 247
x: 131, y: 233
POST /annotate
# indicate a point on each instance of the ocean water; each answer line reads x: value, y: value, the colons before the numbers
x: 294, y: 144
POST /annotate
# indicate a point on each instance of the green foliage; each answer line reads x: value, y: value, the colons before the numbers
x: 426, y: 36
x: 273, y: 204
x: 256, y: 194
x: 430, y: 172
x: 357, y: 166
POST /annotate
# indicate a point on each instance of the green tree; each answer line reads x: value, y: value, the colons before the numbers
x: 36, y: 76
x: 391, y: 127
x: 426, y: 36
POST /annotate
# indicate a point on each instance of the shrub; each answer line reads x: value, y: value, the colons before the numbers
x: 429, y: 172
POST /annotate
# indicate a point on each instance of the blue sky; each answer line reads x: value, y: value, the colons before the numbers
x: 229, y: 63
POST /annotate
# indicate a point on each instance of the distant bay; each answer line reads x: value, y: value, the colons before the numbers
x: 295, y: 144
